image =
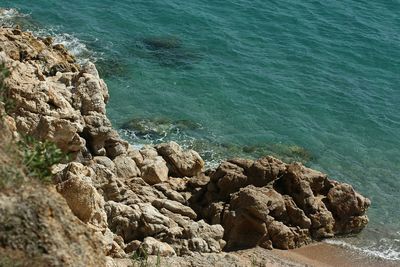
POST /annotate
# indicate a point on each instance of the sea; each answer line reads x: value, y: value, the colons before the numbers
x: 310, y: 81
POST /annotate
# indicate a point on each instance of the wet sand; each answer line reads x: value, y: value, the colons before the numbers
x: 324, y: 255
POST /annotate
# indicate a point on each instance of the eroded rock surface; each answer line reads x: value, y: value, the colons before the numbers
x: 160, y: 199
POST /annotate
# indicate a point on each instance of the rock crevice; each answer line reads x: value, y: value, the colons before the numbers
x: 160, y: 199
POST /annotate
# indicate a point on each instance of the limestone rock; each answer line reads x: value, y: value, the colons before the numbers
x: 81, y: 196
x: 276, y: 205
x: 348, y: 207
x: 181, y: 163
x: 126, y: 167
x: 229, y: 178
x: 154, y: 170
x: 154, y: 247
x: 265, y: 170
x: 176, y: 207
x: 38, y: 222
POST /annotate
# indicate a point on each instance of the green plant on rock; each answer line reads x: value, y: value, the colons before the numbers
x: 10, y: 176
x: 7, y: 102
x: 39, y: 156
x: 140, y: 258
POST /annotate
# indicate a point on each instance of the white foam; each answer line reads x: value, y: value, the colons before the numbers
x: 385, y: 250
x: 75, y: 46
x: 10, y: 13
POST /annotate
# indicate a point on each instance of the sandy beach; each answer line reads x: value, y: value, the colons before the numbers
x: 323, y: 254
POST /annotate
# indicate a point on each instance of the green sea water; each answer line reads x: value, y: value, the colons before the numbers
x: 315, y: 81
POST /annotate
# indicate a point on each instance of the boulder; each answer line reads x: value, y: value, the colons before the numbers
x: 229, y: 178
x: 181, y: 163
x: 265, y: 170
x: 175, y: 207
x: 154, y: 171
x: 154, y: 247
x: 82, y: 197
x: 126, y: 167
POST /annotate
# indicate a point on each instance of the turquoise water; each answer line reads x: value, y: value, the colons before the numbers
x: 321, y: 77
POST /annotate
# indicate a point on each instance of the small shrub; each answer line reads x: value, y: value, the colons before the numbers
x: 140, y: 258
x: 10, y: 176
x: 7, y: 102
x: 39, y: 156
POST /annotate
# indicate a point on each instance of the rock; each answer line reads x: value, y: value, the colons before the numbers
x: 154, y: 194
x: 37, y: 221
x: 154, y: 171
x: 181, y: 163
x: 229, y: 178
x: 169, y: 193
x: 153, y: 221
x: 126, y: 167
x: 271, y: 204
x: 132, y: 246
x: 175, y: 206
x: 148, y: 152
x: 81, y: 196
x: 259, y: 202
x: 265, y: 170
x: 123, y: 220
x: 154, y: 247
x: 211, y: 234
x: 296, y: 216
x: 105, y: 161
x: 348, y: 207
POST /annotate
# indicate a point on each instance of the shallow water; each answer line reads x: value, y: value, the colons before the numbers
x: 322, y: 76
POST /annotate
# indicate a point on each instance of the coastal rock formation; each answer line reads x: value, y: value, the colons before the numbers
x: 276, y: 205
x: 159, y: 199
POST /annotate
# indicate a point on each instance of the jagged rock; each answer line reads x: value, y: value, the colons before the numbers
x: 155, y: 170
x: 211, y: 234
x: 271, y: 204
x: 171, y: 194
x: 132, y: 246
x: 296, y: 216
x: 38, y: 222
x: 265, y: 170
x: 181, y: 163
x: 154, y: 247
x: 155, y: 194
x: 126, y: 167
x: 153, y: 221
x: 105, y: 161
x: 229, y: 178
x: 147, y: 152
x: 348, y: 207
x: 123, y: 220
x: 83, y: 199
x: 175, y: 206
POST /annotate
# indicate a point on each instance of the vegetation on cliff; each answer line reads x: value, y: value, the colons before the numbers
x: 113, y: 201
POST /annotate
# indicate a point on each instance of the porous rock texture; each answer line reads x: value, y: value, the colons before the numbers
x: 160, y: 199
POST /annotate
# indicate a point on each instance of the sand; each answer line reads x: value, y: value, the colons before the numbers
x: 324, y: 255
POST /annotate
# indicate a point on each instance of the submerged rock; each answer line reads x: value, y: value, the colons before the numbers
x: 160, y: 42
x: 168, y: 51
x: 158, y: 199
x: 158, y: 127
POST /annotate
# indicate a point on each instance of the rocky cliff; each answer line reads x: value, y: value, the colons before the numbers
x: 158, y: 200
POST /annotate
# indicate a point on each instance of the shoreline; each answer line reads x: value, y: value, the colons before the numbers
x: 326, y: 255
x: 306, y: 255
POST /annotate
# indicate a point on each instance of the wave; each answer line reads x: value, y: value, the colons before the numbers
x: 10, y: 17
x: 7, y: 14
x: 386, y: 250
x: 75, y: 46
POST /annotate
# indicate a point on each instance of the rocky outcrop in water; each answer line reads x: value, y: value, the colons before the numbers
x: 160, y: 199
